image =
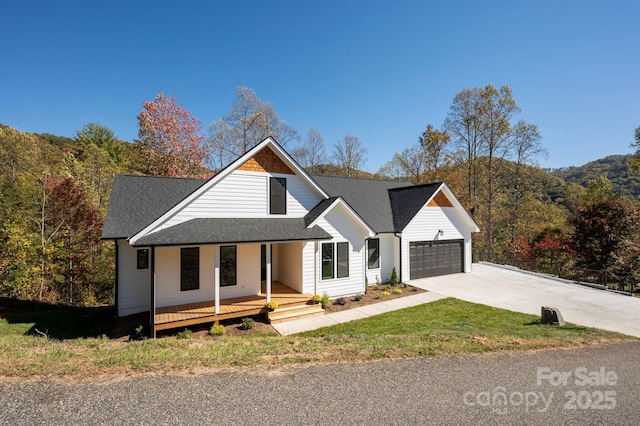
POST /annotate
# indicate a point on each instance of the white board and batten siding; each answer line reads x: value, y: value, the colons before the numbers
x: 343, y: 227
x: 134, y: 285
x: 244, y: 194
x: 425, y: 226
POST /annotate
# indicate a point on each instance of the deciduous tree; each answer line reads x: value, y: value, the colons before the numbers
x: 434, y: 144
x: 603, y: 230
x: 349, y: 154
x: 170, y: 139
x: 102, y: 137
x: 312, y: 152
x: 250, y: 121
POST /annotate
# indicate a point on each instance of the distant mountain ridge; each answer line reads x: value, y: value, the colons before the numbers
x: 614, y: 167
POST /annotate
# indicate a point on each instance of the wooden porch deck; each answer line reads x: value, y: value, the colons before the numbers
x: 203, y: 312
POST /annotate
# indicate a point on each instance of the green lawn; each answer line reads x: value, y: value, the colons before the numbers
x: 447, y: 326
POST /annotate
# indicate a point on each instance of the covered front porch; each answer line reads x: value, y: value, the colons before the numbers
x: 205, y: 312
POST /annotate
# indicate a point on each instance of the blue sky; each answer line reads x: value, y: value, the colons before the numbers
x: 380, y: 70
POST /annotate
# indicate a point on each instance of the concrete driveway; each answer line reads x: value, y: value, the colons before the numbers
x: 522, y: 292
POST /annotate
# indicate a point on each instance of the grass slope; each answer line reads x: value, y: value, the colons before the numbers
x: 447, y: 326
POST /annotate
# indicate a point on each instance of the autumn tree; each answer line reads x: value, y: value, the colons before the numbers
x: 103, y: 138
x: 312, y: 152
x: 526, y: 149
x: 349, y: 154
x: 250, y: 121
x: 170, y: 139
x: 434, y: 144
x: 466, y: 127
x: 392, y: 169
x: 480, y: 122
x: 603, y: 230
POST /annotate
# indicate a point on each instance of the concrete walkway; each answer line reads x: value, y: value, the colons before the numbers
x: 523, y: 292
x: 306, y: 324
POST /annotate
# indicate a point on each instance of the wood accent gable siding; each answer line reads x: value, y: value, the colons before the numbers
x: 440, y: 200
x: 266, y: 161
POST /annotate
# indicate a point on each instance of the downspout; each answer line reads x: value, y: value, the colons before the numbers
x: 115, y: 282
x: 365, y: 263
x: 399, y: 237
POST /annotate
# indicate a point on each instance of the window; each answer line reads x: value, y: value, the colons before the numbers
x: 143, y: 258
x: 327, y: 261
x: 338, y: 266
x: 189, y: 268
x: 373, y: 253
x: 343, y: 260
x: 277, y: 195
x: 228, y: 266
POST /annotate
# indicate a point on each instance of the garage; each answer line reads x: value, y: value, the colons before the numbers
x: 432, y: 258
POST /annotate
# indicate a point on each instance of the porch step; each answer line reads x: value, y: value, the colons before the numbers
x: 288, y: 313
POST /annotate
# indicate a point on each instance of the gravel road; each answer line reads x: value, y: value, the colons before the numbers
x: 585, y: 386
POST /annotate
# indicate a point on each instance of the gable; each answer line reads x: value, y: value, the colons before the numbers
x: 440, y: 200
x: 266, y: 161
x: 240, y: 190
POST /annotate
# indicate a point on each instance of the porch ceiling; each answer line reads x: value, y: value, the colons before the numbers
x: 227, y: 231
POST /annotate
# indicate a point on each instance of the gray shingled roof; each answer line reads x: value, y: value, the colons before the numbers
x: 136, y: 201
x: 406, y: 202
x: 318, y: 210
x: 368, y: 197
x: 221, y: 231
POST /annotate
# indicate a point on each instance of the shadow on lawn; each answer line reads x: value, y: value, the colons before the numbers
x: 59, y: 321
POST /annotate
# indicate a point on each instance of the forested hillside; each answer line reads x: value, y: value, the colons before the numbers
x: 614, y: 167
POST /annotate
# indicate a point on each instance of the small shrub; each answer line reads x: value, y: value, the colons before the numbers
x: 387, y: 287
x: 185, y: 334
x: 385, y: 293
x: 378, y: 282
x: 366, y: 281
x: 139, y: 333
x: 357, y: 297
x: 397, y: 291
x: 248, y: 323
x: 324, y: 301
x: 341, y: 301
x: 377, y: 296
x: 218, y: 330
x: 272, y: 305
x: 316, y: 298
x: 394, y: 276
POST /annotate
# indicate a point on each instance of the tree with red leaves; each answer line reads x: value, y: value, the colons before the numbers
x: 603, y: 231
x: 76, y: 226
x: 170, y: 139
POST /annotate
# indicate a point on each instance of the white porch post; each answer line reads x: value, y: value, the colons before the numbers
x: 152, y: 318
x: 216, y: 280
x: 268, y: 255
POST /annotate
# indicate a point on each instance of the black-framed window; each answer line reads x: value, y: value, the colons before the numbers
x: 343, y: 260
x: 142, y: 258
x: 327, y: 261
x: 335, y: 260
x: 277, y: 195
x: 373, y: 253
x: 189, y: 268
x: 228, y: 266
